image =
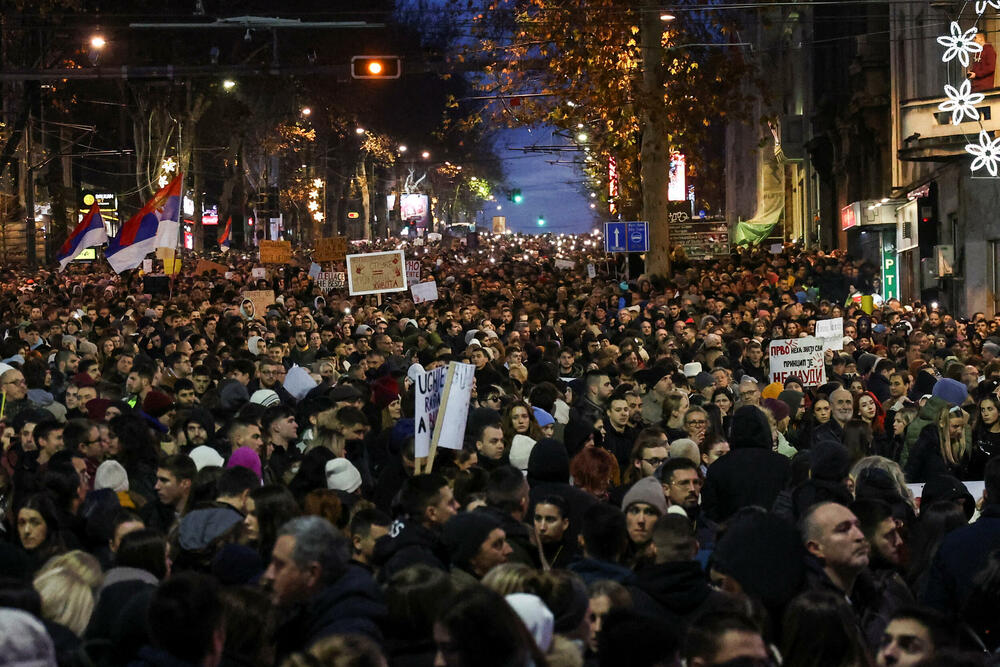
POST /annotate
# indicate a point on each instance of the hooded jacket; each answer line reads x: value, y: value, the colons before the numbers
x: 548, y: 475
x: 408, y: 543
x: 680, y: 589
x: 750, y: 474
x: 353, y: 604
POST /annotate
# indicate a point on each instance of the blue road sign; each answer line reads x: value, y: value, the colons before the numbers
x: 626, y: 237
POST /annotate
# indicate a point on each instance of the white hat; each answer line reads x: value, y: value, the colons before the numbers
x: 414, y: 372
x: 341, y: 475
x: 206, y: 457
x: 692, y: 369
x: 265, y: 397
x: 537, y: 618
x: 111, y: 475
x: 520, y: 451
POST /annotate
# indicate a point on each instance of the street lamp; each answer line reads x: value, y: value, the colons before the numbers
x: 98, y: 42
x: 228, y: 84
x: 359, y: 130
x: 666, y: 17
x: 306, y: 111
x: 402, y: 149
x: 425, y: 155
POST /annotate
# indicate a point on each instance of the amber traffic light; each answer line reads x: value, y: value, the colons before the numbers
x: 376, y: 67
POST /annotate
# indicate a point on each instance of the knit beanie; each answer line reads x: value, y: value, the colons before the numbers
x: 951, y: 391
x: 206, y: 457
x: 157, y: 404
x: 265, y: 397
x: 750, y: 428
x: 791, y: 398
x: 385, y: 390
x: 772, y: 390
x: 647, y: 490
x: 777, y: 408
x: 465, y: 533
x: 247, y: 458
x: 341, y: 475
x: 111, y: 475
x: 542, y: 417
x: 24, y: 641
x: 520, y: 451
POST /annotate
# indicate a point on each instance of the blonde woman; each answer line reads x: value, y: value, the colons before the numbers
x: 941, y: 448
x: 67, y: 598
x: 862, y: 469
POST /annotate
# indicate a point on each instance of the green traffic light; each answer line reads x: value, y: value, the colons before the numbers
x: 518, y: 198
x: 541, y: 221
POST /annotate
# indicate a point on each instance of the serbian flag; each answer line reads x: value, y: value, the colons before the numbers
x: 224, y: 236
x: 152, y: 227
x: 89, y: 232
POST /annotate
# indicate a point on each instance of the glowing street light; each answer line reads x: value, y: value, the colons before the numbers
x: 402, y: 149
x: 667, y: 17
x: 425, y: 155
x: 98, y: 42
x: 228, y: 84
x: 582, y: 137
x: 306, y: 111
x: 359, y: 130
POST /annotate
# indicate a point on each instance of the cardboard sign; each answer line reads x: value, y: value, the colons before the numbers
x: 801, y: 357
x: 429, y: 389
x: 331, y: 249
x: 376, y: 272
x: 412, y: 271
x: 261, y: 300
x: 564, y: 264
x: 832, y: 333
x: 424, y: 291
x: 275, y: 252
x: 205, y: 266
x: 259, y: 273
x: 328, y: 280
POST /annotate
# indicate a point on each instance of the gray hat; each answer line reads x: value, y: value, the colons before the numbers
x: 647, y: 490
x: 200, y: 528
x: 24, y: 641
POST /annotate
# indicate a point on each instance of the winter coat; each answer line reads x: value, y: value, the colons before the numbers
x: 680, y: 589
x: 548, y: 475
x: 591, y: 570
x: 408, y: 543
x: 962, y: 555
x: 750, y: 474
x: 353, y: 604
x: 927, y: 415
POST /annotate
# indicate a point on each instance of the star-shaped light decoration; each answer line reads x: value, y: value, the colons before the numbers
x: 961, y: 102
x: 981, y: 5
x: 960, y: 44
x: 987, y: 153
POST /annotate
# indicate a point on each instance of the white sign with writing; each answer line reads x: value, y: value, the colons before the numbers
x: 147, y: 266
x: 331, y: 280
x: 832, y: 333
x: 801, y: 357
x: 259, y: 273
x: 412, y: 271
x: 424, y: 291
x: 591, y: 271
x: 564, y: 264
x: 429, y: 388
x: 449, y: 429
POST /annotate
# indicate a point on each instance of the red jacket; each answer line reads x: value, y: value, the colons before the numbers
x: 982, y: 68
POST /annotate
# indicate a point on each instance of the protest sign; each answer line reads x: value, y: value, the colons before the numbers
x: 429, y: 388
x: 449, y: 428
x: 205, y: 266
x: 331, y: 249
x: 424, y: 292
x: 801, y: 357
x: 258, y: 273
x: 832, y: 333
x: 412, y: 271
x: 564, y: 264
x: 275, y: 252
x: 260, y: 299
x: 331, y: 280
x: 376, y: 272
x: 591, y: 271
x: 314, y: 270
x: 147, y: 266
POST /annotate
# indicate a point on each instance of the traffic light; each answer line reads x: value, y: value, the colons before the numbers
x: 541, y: 221
x: 376, y: 67
x: 515, y: 196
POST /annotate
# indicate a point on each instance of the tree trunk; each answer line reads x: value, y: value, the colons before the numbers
x: 366, y: 202
x: 654, y: 168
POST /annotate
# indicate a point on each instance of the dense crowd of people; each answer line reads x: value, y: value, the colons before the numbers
x: 187, y: 481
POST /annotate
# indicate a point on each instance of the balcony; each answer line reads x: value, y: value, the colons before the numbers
x: 927, y: 134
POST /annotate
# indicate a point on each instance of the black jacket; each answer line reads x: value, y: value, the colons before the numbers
x: 750, y: 474
x: 680, y: 589
x: 408, y: 543
x: 353, y: 604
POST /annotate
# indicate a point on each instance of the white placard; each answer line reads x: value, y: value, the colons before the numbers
x: 801, y: 357
x: 147, y: 266
x: 776, y: 248
x: 314, y: 270
x: 259, y: 273
x: 832, y: 333
x: 412, y: 271
x: 429, y: 389
x: 449, y: 429
x: 564, y: 264
x: 424, y: 291
x: 591, y: 271
x: 229, y: 275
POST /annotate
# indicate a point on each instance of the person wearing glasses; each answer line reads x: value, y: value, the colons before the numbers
x: 13, y: 394
x: 749, y: 391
